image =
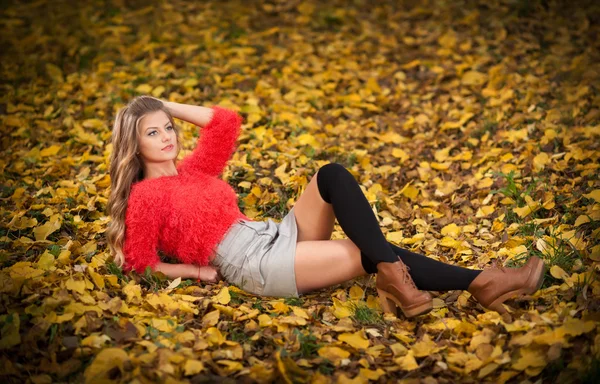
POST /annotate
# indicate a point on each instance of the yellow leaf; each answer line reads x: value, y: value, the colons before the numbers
x: 595, y: 253
x: 158, y: 91
x: 280, y: 307
x: 581, y: 219
x: 192, y: 367
x: 450, y: 242
x: 425, y: 347
x: 133, y: 292
x: 300, y: 312
x: 307, y: 139
x: 442, y: 155
x: 540, y: 161
x: 54, y: 72
x: 97, y: 279
x: 595, y: 195
x: 76, y: 285
x: 373, y: 302
x: 265, y: 320
x: 46, y: 261
x: 356, y: 339
x: 576, y: 327
x: 163, y: 325
x: 394, y: 237
x: 451, y: 230
x: 441, y: 166
x: 223, y: 297
x: 530, y: 358
x: 94, y: 124
x: 87, y: 249
x: 400, y: 154
x: 281, y: 174
x: 190, y: 83
x: 457, y: 124
x: 10, y: 330
x: 410, y: 192
x: 407, y: 362
x: 22, y: 222
x: 256, y: 191
x: 292, y: 320
x: 43, y: 231
x: 143, y: 88
x: 474, y: 78
x: 356, y: 292
x: 214, y: 336
x: 558, y: 273
x: 340, y: 309
x: 211, y: 319
x: 50, y: 151
x: 231, y: 366
x: 334, y: 354
x: 544, y: 247
x: 485, y: 210
x: 95, y: 341
x: 100, y: 370
x: 371, y: 375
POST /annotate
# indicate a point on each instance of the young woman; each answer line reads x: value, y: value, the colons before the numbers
x: 188, y: 212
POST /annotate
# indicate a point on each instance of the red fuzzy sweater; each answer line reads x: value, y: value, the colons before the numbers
x: 188, y: 214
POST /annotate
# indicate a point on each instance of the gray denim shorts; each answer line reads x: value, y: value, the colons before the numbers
x: 258, y: 256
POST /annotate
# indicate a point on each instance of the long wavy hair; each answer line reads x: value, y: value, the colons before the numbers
x: 126, y: 166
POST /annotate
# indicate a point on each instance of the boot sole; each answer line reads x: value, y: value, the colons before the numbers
x: 539, y: 270
x: 390, y: 305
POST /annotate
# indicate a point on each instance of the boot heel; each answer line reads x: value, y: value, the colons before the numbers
x: 387, y: 303
x: 540, y: 273
x: 390, y: 305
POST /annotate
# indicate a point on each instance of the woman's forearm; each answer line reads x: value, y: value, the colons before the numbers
x: 173, y: 271
x: 194, y: 114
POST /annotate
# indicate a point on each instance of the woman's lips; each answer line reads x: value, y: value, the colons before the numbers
x: 168, y: 148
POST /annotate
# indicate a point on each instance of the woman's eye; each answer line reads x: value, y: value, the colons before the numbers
x: 169, y: 127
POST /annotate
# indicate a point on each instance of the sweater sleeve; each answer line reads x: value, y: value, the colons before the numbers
x: 215, y: 145
x: 142, y: 226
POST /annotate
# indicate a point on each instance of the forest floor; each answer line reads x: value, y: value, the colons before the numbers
x: 472, y: 127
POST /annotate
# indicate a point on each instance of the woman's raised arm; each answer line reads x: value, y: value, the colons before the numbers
x: 194, y: 114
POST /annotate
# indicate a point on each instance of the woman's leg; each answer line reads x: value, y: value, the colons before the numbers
x: 324, y: 263
x: 429, y: 274
x: 315, y: 219
x: 338, y: 187
x: 395, y: 287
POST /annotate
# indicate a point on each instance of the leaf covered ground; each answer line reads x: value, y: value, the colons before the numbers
x: 473, y: 128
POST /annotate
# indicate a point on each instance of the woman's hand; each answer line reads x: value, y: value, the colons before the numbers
x: 189, y: 271
x: 209, y: 274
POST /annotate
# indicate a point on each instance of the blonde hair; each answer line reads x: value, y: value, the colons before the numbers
x: 126, y: 167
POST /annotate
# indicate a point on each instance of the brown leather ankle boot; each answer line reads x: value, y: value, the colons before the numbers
x: 495, y: 285
x: 397, y: 289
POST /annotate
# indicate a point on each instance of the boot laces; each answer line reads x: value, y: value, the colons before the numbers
x: 405, y: 275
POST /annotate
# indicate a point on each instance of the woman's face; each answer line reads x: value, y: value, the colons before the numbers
x: 157, y: 138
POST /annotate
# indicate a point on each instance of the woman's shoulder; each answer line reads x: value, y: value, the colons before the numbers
x: 147, y: 189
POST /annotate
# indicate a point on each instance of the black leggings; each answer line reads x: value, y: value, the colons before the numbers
x: 338, y: 187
